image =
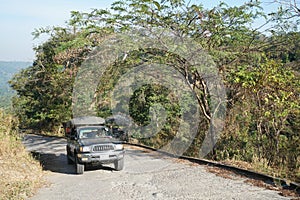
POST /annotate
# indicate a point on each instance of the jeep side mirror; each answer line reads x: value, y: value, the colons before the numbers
x: 67, y: 132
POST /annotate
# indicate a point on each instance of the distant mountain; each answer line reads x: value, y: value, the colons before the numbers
x: 7, y: 70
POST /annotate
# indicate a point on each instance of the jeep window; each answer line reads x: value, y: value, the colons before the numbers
x: 93, y: 132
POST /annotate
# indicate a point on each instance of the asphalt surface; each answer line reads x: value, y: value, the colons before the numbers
x: 147, y: 175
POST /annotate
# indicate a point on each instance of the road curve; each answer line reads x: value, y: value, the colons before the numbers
x: 147, y: 175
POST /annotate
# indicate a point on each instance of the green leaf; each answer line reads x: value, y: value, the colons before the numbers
x: 157, y: 5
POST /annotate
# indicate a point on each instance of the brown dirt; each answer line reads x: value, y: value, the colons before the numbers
x: 282, y: 191
x: 259, y: 183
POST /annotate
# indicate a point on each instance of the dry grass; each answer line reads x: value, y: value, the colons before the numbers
x: 20, y: 174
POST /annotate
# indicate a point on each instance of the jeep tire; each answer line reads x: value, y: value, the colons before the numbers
x: 79, y: 167
x: 70, y: 161
x: 119, y: 164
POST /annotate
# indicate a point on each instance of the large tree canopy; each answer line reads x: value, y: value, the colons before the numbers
x: 259, y: 65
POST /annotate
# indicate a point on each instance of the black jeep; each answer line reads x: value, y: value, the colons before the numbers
x: 89, y: 141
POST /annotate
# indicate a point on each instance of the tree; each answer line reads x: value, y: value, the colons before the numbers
x: 292, y: 6
x: 259, y: 71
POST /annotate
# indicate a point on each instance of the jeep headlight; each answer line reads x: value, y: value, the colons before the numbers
x: 85, y: 149
x: 119, y: 147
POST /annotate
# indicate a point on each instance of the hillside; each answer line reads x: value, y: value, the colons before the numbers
x: 7, y: 70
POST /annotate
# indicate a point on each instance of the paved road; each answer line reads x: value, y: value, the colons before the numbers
x: 147, y: 175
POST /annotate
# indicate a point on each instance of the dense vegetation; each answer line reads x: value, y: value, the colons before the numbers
x: 7, y: 70
x: 20, y: 173
x: 259, y: 67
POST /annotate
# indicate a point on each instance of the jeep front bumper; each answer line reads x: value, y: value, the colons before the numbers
x: 100, y: 157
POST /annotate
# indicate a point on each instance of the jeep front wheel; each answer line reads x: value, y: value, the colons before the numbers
x: 70, y: 161
x: 119, y: 164
x: 79, y: 167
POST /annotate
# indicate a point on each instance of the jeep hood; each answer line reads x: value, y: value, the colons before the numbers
x: 103, y: 140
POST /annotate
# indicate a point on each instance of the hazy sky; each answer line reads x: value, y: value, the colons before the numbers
x: 19, y: 18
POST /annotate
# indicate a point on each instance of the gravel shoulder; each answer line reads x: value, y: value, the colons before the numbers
x: 147, y: 175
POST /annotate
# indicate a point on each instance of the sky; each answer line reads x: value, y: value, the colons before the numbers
x: 19, y: 18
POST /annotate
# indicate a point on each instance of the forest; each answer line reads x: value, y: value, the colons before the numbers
x: 252, y: 121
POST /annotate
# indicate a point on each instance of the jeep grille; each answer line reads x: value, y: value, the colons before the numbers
x: 103, y: 148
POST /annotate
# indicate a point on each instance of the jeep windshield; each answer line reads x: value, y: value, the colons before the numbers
x: 93, y: 132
